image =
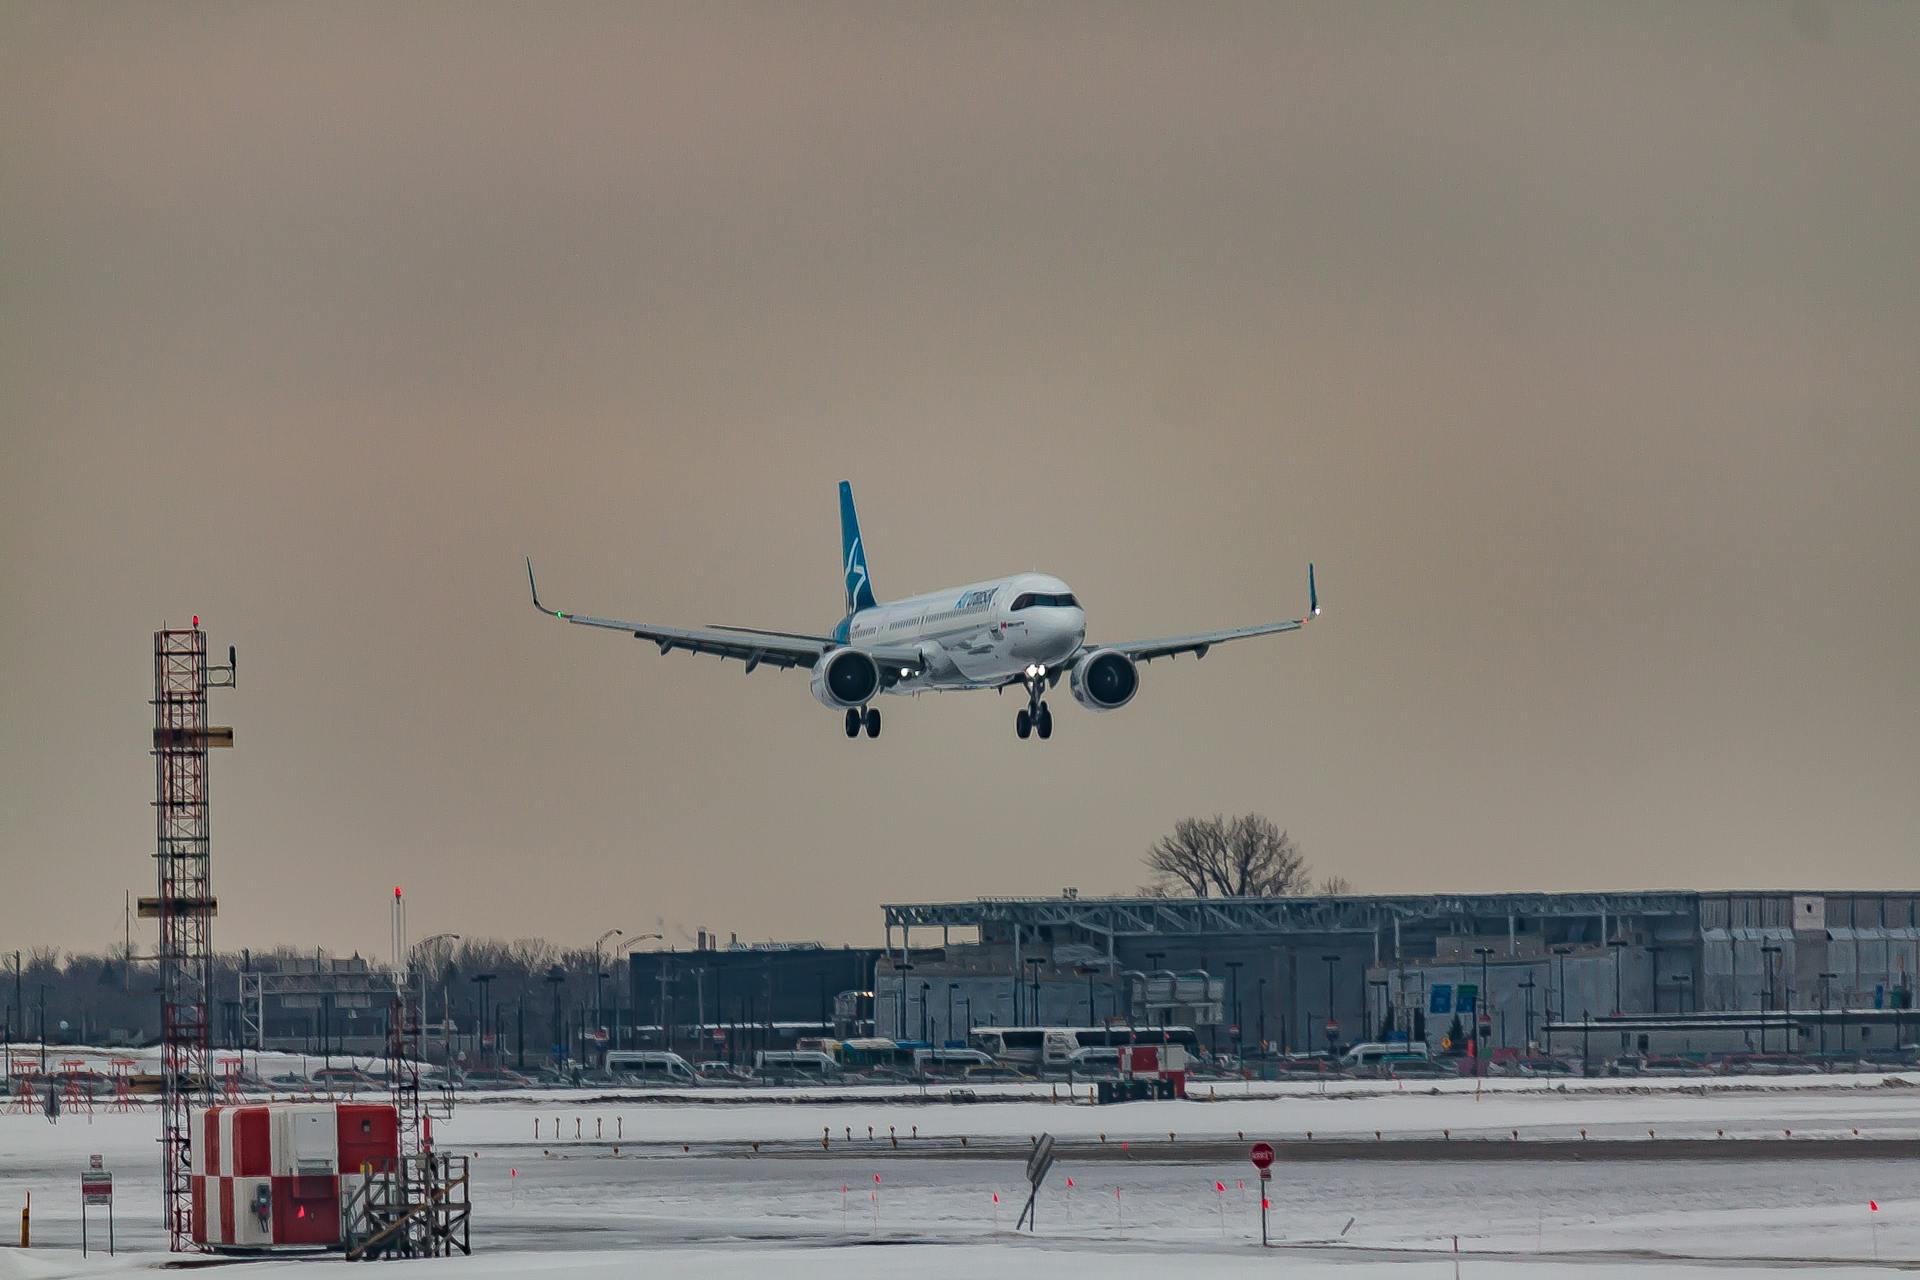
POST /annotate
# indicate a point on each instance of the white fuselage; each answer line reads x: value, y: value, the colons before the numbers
x: 977, y: 636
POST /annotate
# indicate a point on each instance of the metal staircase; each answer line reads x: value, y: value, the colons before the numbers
x: 418, y: 1207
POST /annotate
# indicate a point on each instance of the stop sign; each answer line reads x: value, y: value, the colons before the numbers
x: 1261, y: 1155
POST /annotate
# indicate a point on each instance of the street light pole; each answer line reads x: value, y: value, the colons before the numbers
x: 1826, y: 1004
x: 1233, y: 978
x: 1483, y: 1022
x: 1562, y: 951
x: 1333, y: 1025
x: 1767, y: 953
x: 1619, y: 946
x: 482, y: 980
x: 1260, y: 990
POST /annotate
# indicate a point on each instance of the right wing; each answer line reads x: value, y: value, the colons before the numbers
x: 755, y: 648
x: 1199, y: 642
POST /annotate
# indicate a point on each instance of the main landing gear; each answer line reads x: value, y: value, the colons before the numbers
x: 1035, y: 717
x: 871, y: 720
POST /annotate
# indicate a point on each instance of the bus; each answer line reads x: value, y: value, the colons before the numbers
x: 1051, y: 1048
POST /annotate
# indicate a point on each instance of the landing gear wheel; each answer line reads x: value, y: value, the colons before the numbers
x: 1022, y: 723
x: 853, y: 723
x: 1045, y: 723
x: 873, y: 722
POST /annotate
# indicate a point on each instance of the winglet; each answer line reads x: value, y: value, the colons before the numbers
x: 1313, y: 592
x: 535, y: 591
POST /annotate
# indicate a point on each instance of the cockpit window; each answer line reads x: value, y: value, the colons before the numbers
x: 1041, y: 600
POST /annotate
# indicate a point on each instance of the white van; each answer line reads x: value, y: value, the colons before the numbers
x: 650, y: 1066
x: 792, y: 1064
x: 1373, y: 1055
x: 1094, y: 1062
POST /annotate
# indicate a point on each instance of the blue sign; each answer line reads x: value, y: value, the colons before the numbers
x: 1440, y: 998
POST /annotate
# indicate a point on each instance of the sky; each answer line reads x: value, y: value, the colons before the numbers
x: 1575, y: 344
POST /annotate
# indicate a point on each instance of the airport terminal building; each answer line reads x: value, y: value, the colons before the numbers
x: 1298, y: 973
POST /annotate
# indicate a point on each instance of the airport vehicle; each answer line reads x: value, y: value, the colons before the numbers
x: 1026, y: 629
x: 1372, y: 1056
x: 1083, y: 1063
x: 795, y: 1064
x: 650, y: 1066
x: 1032, y: 1048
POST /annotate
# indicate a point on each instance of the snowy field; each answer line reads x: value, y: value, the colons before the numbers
x: 1741, y: 1178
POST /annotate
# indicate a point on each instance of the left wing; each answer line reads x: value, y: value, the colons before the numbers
x: 755, y: 648
x: 1200, y: 641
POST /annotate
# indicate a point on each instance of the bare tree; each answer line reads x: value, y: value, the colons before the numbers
x: 1242, y: 857
x: 1335, y: 887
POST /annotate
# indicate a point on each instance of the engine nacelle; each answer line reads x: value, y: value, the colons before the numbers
x: 845, y: 678
x: 1105, y: 680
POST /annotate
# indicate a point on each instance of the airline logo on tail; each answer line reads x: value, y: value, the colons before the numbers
x: 856, y: 576
x: 859, y: 586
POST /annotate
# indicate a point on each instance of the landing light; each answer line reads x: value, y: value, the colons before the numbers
x: 903, y: 673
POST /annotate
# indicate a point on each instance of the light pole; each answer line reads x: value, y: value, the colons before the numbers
x: 557, y: 978
x: 420, y: 962
x: 1767, y: 953
x: 1033, y: 988
x: 482, y: 980
x: 1333, y: 1023
x: 599, y: 1005
x: 1483, y: 1022
x: 900, y: 969
x: 1826, y: 1003
x: 1619, y: 946
x: 1260, y: 991
x: 951, y: 988
x: 1233, y: 996
x: 1527, y: 987
x: 1562, y: 951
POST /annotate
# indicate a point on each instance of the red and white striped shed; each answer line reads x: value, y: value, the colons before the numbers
x: 276, y: 1174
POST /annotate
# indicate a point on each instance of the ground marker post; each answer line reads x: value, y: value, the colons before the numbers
x: 1262, y: 1157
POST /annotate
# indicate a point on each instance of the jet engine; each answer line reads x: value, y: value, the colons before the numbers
x: 845, y: 678
x: 1105, y: 680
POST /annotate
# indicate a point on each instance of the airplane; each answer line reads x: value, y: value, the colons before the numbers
x: 1025, y: 629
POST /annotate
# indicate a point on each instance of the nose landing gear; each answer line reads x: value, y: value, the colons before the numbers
x: 1035, y: 717
x: 870, y: 720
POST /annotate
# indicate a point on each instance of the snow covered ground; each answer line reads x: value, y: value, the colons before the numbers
x: 1751, y: 1201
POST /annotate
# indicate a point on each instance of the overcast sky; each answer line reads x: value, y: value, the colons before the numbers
x: 1575, y: 343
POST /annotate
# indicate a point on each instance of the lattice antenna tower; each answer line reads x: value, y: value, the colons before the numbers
x: 185, y: 903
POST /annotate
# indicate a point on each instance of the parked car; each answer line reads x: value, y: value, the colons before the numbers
x: 1414, y: 1069
x: 989, y: 1075
x: 722, y: 1072
x: 497, y: 1078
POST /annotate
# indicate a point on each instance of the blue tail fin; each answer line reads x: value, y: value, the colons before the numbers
x: 853, y: 555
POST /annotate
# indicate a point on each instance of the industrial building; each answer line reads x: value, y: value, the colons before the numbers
x: 729, y: 1000
x: 1293, y: 974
